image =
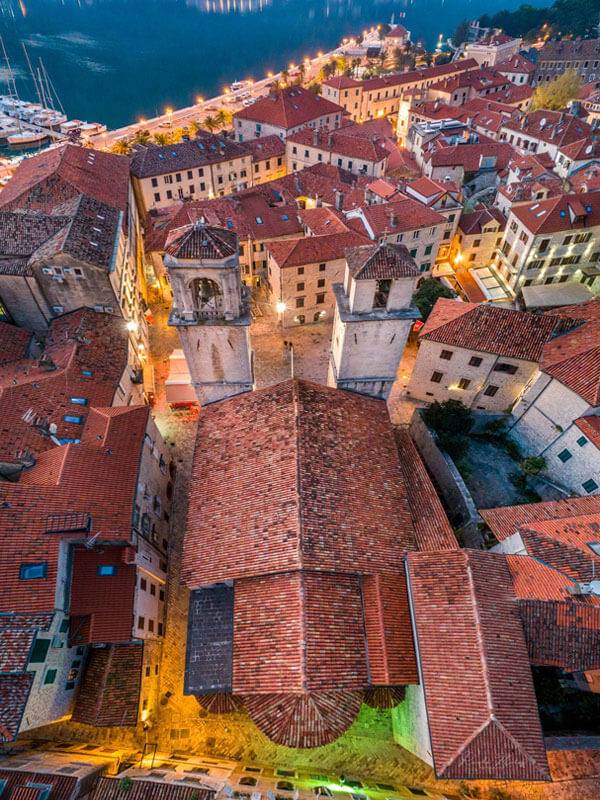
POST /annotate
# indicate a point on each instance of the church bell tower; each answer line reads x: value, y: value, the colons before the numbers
x: 373, y: 317
x: 211, y: 310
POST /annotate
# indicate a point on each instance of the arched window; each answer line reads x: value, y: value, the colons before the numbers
x: 207, y: 297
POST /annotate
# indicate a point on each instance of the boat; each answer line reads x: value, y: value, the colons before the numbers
x: 26, y: 137
x: 90, y: 128
x: 7, y: 129
x: 237, y: 85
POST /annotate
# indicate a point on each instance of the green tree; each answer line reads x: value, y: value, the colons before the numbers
x: 195, y: 127
x: 302, y: 73
x: 341, y: 65
x: 316, y: 88
x: 461, y: 33
x: 557, y: 94
x: 284, y: 75
x: 428, y: 294
x: 224, y: 118
x: 161, y: 138
x: 141, y: 136
x: 121, y: 147
x: 533, y: 465
x: 452, y: 422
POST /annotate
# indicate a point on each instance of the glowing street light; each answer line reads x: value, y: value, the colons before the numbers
x: 169, y: 113
x: 132, y: 325
x: 199, y: 100
x: 280, y: 307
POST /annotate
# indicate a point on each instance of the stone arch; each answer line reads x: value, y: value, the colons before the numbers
x: 207, y: 297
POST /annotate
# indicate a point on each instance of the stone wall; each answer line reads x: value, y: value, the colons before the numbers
x: 448, y: 479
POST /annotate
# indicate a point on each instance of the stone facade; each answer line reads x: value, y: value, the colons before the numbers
x: 480, y: 380
x: 211, y: 313
x: 370, y: 330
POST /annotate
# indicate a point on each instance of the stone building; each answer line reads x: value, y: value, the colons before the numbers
x: 302, y: 272
x: 70, y: 237
x: 86, y: 487
x: 551, y: 241
x: 350, y: 147
x: 481, y: 354
x: 373, y: 317
x: 555, y: 57
x: 285, y: 111
x: 210, y: 310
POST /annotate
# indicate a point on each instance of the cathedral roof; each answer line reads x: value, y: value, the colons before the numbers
x: 198, y: 241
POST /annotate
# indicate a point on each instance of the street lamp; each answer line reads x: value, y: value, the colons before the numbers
x: 280, y: 307
x: 199, y: 100
x: 169, y: 113
x: 132, y: 325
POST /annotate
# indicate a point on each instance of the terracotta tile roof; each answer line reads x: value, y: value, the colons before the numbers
x: 533, y: 580
x: 17, y: 633
x: 473, y: 222
x: 318, y: 437
x: 342, y: 82
x: 325, y: 182
x: 384, y: 261
x: 469, y: 156
x: 248, y: 214
x: 109, y: 694
x: 110, y: 789
x: 390, y: 648
x: 562, y: 633
x: 349, y: 141
x: 479, y: 80
x: 299, y: 632
x: 401, y: 215
x: 513, y: 94
x: 481, y: 704
x: 297, y: 720
x: 323, y: 220
x: 590, y: 426
x: 432, y: 528
x: 63, y: 786
x: 22, y: 232
x: 554, y: 127
x: 586, y: 179
x: 590, y: 310
x: 42, y: 181
x: 563, y: 213
x: 265, y: 147
x: 574, y: 360
x: 419, y: 75
x: 506, y: 520
x: 199, y: 241
x: 14, y: 343
x: 383, y: 187
x: 111, y: 446
x: 77, y: 343
x: 516, y: 64
x: 564, y: 544
x: 206, y: 148
x: 568, y: 49
x: 288, y: 108
x: 490, y: 329
x: 14, y: 693
x: 313, y: 249
x: 582, y: 150
x: 430, y: 190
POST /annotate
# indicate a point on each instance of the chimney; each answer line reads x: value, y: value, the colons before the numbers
x: 339, y: 199
x: 315, y: 138
x: 329, y: 141
x: 393, y: 219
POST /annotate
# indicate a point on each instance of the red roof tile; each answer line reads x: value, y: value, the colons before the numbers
x: 401, y: 215
x: 574, y: 360
x: 473, y: 222
x: 469, y: 156
x: 562, y: 633
x: 516, y: 64
x: 507, y: 520
x: 419, y: 75
x: 533, y: 580
x: 563, y: 213
x: 288, y: 108
x: 110, y: 689
x: 489, y: 329
x: 563, y: 544
x: 63, y: 786
x: 60, y: 174
x: 14, y: 343
x: 312, y: 444
x: 265, y: 147
x: 342, y: 82
x: 111, y: 789
x: 591, y: 427
x: 313, y: 249
x: 383, y: 261
x: 76, y: 342
x: 304, y: 720
x: 14, y: 693
x: 481, y: 704
x: 432, y: 528
x: 555, y: 127
x: 323, y: 220
x: 349, y: 141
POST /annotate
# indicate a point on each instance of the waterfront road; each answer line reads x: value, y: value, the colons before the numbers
x: 180, y: 118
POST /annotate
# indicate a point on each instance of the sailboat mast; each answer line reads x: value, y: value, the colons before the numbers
x: 10, y: 77
x: 32, y: 73
x: 43, y: 100
x: 50, y: 87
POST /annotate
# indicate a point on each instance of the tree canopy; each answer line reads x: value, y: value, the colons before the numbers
x: 557, y: 94
x: 428, y: 294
